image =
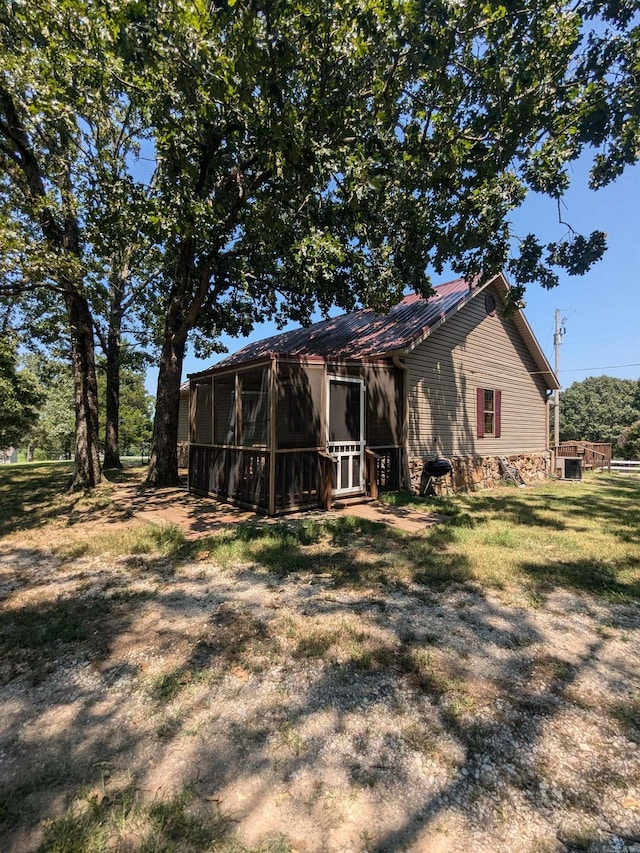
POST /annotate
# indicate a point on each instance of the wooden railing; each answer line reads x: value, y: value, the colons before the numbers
x: 387, y: 468
x: 304, y: 478
x: 230, y: 472
x: 301, y: 479
x: 594, y: 454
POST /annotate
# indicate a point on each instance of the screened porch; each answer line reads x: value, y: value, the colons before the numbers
x: 284, y: 434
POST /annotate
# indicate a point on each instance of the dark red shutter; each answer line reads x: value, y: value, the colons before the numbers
x: 480, y: 411
x: 497, y: 419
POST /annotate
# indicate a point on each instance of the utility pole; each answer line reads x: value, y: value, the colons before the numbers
x: 557, y: 340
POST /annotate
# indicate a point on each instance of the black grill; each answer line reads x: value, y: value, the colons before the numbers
x: 438, y: 467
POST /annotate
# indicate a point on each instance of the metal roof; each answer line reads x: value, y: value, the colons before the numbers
x: 364, y: 334
x: 360, y: 334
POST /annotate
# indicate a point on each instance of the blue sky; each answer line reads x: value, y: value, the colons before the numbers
x: 602, y: 308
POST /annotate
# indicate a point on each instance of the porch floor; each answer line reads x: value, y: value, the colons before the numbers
x: 199, y: 517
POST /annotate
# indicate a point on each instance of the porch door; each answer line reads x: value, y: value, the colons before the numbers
x: 345, y: 433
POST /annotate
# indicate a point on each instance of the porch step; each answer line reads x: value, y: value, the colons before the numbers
x: 352, y: 501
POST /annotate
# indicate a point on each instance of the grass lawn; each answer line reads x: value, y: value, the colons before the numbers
x: 319, y: 684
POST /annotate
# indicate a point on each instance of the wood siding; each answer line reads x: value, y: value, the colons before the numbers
x: 470, y: 351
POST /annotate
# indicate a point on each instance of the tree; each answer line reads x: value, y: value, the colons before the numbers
x: 43, y: 89
x: 598, y: 409
x: 330, y: 153
x: 305, y: 154
x: 19, y: 395
x: 135, y: 407
x: 628, y: 443
x: 54, y: 432
x: 70, y: 233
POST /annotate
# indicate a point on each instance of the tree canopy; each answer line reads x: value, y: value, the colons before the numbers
x: 301, y: 155
x: 598, y: 409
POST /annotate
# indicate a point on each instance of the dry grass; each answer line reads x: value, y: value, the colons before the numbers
x: 579, y: 536
x: 346, y: 576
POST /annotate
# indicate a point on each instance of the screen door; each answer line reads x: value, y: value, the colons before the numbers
x: 345, y: 439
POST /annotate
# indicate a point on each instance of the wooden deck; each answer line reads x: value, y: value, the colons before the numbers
x: 594, y: 454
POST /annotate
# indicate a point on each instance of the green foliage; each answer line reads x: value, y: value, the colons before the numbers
x: 136, y: 409
x: 628, y: 443
x: 334, y: 152
x: 54, y: 433
x: 598, y: 409
x: 303, y: 155
x: 19, y: 396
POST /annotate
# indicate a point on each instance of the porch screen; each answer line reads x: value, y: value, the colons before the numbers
x: 224, y: 410
x: 201, y: 412
x: 253, y: 387
x: 384, y: 390
x: 344, y: 411
x: 298, y: 410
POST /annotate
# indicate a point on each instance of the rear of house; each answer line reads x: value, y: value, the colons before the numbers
x: 362, y: 402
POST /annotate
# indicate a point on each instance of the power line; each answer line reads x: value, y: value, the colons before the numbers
x: 606, y: 367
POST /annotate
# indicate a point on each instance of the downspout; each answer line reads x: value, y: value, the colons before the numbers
x: 405, y: 478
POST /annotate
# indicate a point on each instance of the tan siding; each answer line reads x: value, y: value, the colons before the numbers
x: 472, y: 350
x: 183, y: 416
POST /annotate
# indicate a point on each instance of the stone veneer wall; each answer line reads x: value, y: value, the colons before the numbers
x: 472, y: 473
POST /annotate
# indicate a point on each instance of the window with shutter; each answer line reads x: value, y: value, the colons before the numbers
x: 488, y: 412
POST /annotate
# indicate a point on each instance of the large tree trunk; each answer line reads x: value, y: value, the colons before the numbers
x: 163, y: 460
x: 182, y: 316
x: 112, y: 409
x: 86, y: 472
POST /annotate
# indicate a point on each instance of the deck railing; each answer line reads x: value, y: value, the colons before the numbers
x: 299, y: 481
x: 230, y: 472
x: 594, y: 454
x: 387, y: 468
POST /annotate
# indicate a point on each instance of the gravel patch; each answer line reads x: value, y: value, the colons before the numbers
x: 390, y: 718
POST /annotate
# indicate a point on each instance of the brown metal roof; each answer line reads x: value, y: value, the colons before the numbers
x: 366, y: 335
x: 360, y: 334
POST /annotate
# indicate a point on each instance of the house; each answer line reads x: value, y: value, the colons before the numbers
x: 361, y: 402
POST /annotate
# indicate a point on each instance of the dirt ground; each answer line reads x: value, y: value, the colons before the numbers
x: 332, y: 718
x: 199, y: 517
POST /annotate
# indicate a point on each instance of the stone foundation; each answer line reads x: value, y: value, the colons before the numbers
x: 472, y: 473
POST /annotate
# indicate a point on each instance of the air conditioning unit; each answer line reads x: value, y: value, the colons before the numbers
x: 569, y: 467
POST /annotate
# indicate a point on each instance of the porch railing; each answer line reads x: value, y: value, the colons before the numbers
x: 303, y: 477
x: 231, y: 472
x: 299, y: 483
x: 387, y: 468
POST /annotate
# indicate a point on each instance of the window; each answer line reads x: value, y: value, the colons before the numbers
x: 488, y: 412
